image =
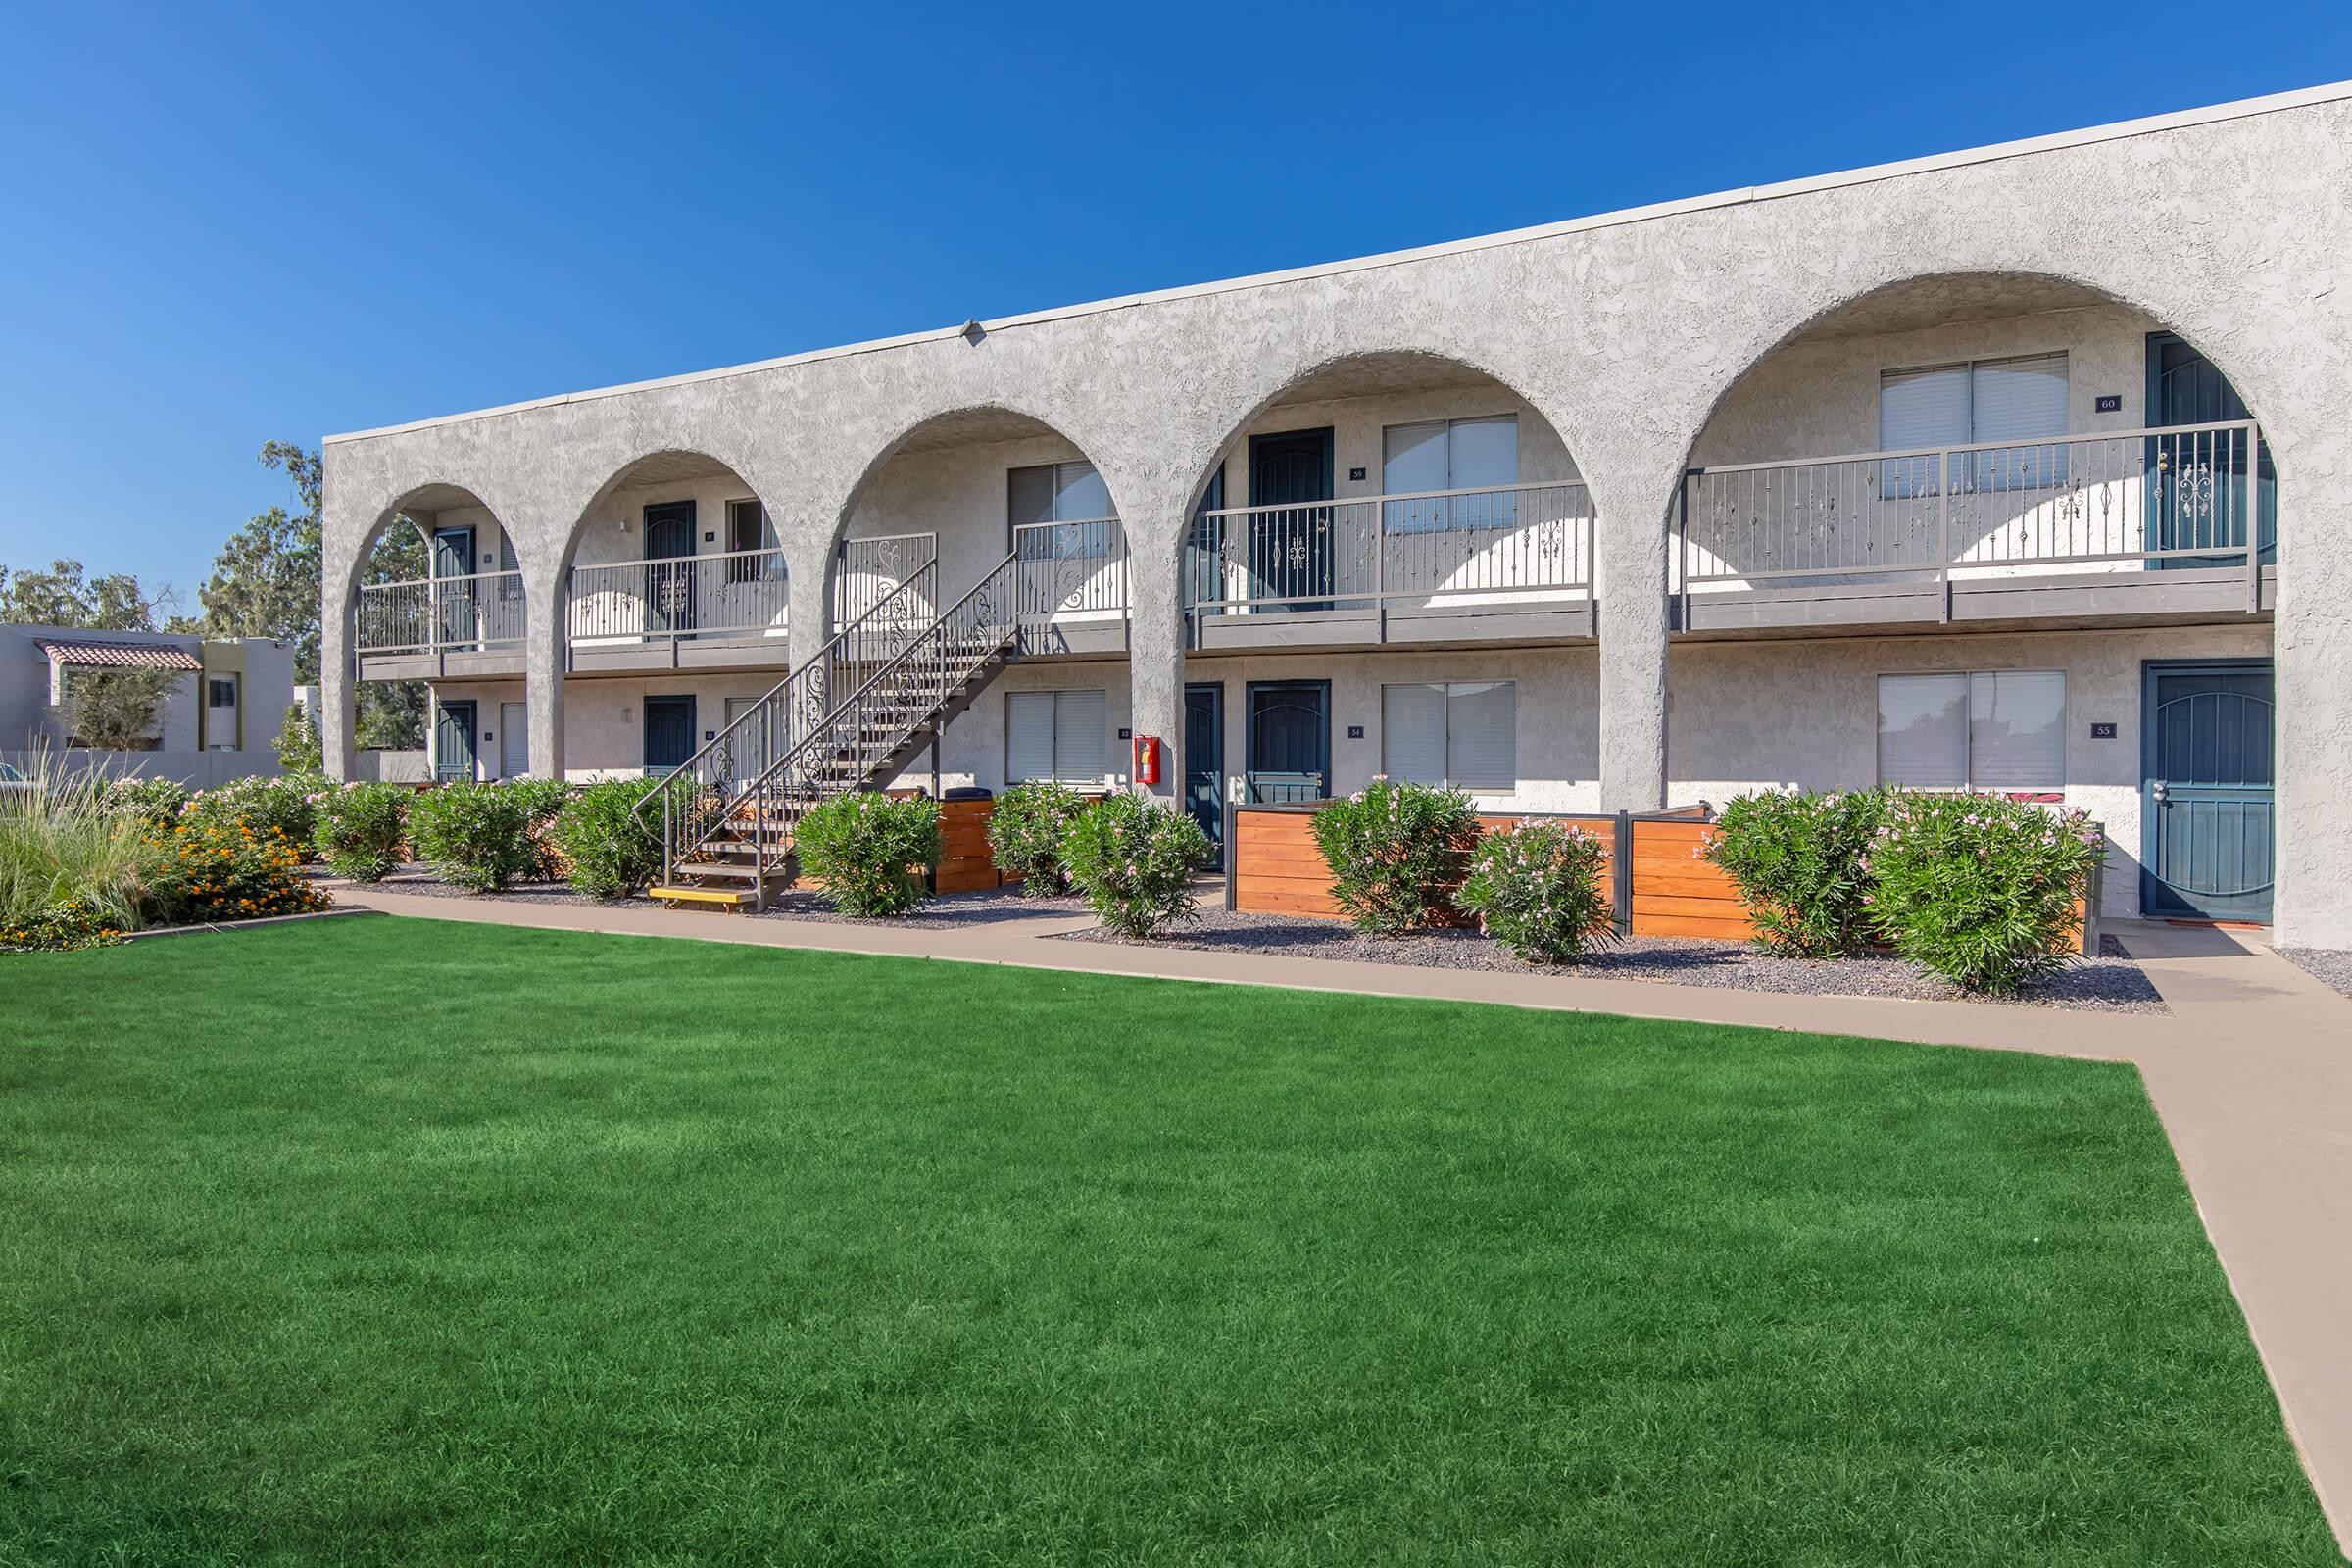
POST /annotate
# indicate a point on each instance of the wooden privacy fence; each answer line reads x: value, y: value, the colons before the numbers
x: 1657, y: 882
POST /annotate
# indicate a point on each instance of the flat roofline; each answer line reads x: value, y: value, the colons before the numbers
x: 1870, y: 174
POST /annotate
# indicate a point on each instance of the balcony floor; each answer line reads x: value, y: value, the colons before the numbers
x: 2042, y: 602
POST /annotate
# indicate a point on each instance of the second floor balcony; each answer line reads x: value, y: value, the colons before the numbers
x: 717, y: 609
x: 2133, y: 525
x: 1498, y: 563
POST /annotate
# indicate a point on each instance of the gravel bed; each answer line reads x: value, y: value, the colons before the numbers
x: 2332, y: 964
x: 2111, y: 982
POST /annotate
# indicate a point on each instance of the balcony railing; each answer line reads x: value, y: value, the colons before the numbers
x: 868, y: 571
x: 740, y: 592
x: 1467, y: 547
x: 477, y: 613
x: 1070, y: 570
x: 2179, y: 496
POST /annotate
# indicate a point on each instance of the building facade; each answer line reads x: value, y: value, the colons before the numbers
x: 220, y: 717
x: 2016, y: 469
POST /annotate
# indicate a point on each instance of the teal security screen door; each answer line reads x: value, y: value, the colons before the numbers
x: 2207, y: 850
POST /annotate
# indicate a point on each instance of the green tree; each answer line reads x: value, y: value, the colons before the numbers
x: 63, y: 597
x: 266, y: 580
x: 112, y: 709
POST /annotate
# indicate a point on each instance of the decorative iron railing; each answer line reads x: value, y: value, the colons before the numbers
x: 737, y: 592
x: 1435, y: 546
x: 2170, y: 497
x: 707, y: 793
x: 868, y: 571
x: 476, y: 614
x: 1070, y: 568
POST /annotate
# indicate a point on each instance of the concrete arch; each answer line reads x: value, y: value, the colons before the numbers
x: 975, y: 422
x: 1198, y: 463
x: 676, y: 462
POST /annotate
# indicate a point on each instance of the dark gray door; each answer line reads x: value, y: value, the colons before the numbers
x: 454, y: 607
x: 453, y: 743
x: 669, y: 732
x: 2206, y: 795
x: 670, y: 569
x: 1290, y: 548
x: 1289, y: 742
x: 1204, y: 760
x: 2197, y: 487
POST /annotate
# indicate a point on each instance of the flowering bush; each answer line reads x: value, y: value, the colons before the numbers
x: 214, y: 870
x: 477, y: 836
x: 1979, y: 889
x: 360, y: 827
x: 284, y: 806
x: 1536, y: 888
x: 543, y: 801
x: 1803, y: 865
x: 1134, y: 861
x: 1025, y: 833
x: 871, y: 853
x: 608, y: 850
x: 72, y: 923
x: 1397, y: 853
x: 152, y: 802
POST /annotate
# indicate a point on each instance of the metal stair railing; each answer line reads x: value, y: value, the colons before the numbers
x: 702, y: 794
x: 868, y: 730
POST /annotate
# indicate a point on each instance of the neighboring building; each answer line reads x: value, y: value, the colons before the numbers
x: 227, y: 701
x: 2024, y: 468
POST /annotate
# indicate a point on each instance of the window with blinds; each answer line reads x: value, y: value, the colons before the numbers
x: 2020, y: 401
x: 1450, y: 454
x: 1057, y: 736
x: 1055, y: 492
x: 1999, y: 730
x: 1459, y: 735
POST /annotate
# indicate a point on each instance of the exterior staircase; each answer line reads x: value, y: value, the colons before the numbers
x: 850, y: 718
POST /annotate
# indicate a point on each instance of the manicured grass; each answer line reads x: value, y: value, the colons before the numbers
x: 401, y: 1240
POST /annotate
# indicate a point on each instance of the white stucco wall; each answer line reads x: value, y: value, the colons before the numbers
x: 1750, y: 715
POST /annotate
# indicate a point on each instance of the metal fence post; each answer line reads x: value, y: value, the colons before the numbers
x: 1621, y: 874
x: 1233, y: 855
x: 1943, y: 537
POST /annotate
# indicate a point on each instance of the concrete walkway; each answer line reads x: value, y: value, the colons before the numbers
x: 2251, y: 1073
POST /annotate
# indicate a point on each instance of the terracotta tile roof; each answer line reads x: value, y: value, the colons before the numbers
x: 150, y: 656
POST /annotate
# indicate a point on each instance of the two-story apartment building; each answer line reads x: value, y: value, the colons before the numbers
x: 2021, y: 468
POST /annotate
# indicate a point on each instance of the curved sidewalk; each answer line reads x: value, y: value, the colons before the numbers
x: 2250, y: 1071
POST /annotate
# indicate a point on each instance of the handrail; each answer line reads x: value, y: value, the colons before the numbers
x: 1894, y: 453
x: 802, y: 692
x: 1402, y: 495
x: 2099, y: 500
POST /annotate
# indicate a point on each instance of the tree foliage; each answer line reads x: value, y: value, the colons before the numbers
x: 63, y: 596
x: 266, y: 580
x: 114, y: 710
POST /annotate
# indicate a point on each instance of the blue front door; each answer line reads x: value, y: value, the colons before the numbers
x: 2205, y: 800
x: 2197, y: 493
x: 1291, y: 545
x: 1204, y: 760
x: 669, y: 732
x: 1289, y: 742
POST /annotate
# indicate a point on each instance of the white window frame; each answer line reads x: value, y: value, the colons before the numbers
x: 1448, y: 688
x: 1968, y: 748
x: 1460, y: 512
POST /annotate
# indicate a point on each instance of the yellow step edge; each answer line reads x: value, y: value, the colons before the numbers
x: 701, y: 895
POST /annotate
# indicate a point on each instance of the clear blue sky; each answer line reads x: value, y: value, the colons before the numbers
x: 227, y: 224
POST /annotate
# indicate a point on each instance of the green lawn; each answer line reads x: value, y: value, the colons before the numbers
x: 401, y: 1240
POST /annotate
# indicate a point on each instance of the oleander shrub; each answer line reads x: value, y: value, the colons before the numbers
x: 610, y: 852
x: 362, y: 828
x: 1397, y: 853
x: 1980, y: 889
x: 1801, y: 863
x: 152, y: 802
x: 216, y: 869
x: 284, y: 806
x: 1135, y: 860
x: 872, y: 853
x: 1025, y: 834
x: 1536, y: 888
x: 543, y: 801
x: 477, y: 836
